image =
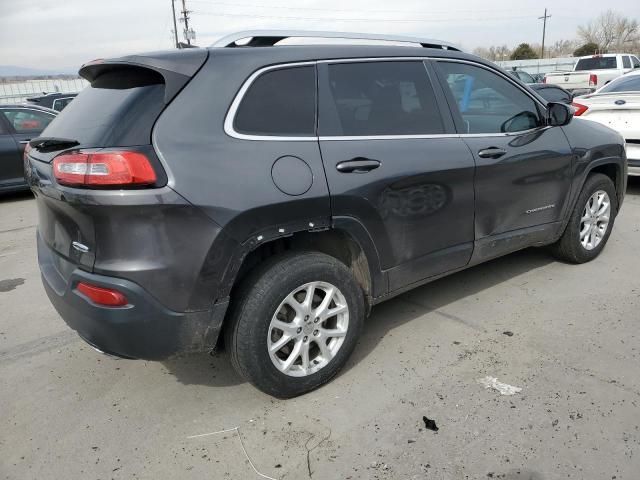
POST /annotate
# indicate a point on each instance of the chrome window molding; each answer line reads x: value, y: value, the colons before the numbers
x: 233, y: 109
x: 52, y: 113
x: 231, y: 113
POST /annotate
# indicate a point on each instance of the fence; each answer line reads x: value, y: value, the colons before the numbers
x: 18, y: 90
x: 545, y: 65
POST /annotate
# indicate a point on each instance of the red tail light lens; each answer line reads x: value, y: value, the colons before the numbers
x: 102, y: 296
x: 115, y: 168
x: 544, y: 79
x: 593, y: 80
x: 579, y: 109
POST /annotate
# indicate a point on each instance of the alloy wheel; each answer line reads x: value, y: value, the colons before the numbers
x: 308, y: 329
x: 595, y: 220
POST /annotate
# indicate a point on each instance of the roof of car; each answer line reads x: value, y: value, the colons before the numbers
x: 301, y: 53
x: 27, y: 106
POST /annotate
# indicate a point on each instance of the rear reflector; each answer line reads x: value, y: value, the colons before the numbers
x: 114, y: 168
x: 102, y: 296
x: 579, y: 109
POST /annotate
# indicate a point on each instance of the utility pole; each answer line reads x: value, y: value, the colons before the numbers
x: 185, y: 19
x: 175, y: 26
x: 544, y: 30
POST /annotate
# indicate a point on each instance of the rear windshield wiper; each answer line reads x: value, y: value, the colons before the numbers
x: 52, y: 144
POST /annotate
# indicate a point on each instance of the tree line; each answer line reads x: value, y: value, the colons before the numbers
x: 609, y: 32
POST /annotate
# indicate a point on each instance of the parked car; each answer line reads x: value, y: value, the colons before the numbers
x: 312, y: 183
x: 18, y: 125
x: 617, y: 105
x: 552, y: 93
x: 55, y: 101
x: 522, y: 76
x: 593, y: 72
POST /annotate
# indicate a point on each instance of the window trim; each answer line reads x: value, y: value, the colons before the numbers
x: 233, y: 108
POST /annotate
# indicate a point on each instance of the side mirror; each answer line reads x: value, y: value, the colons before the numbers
x: 558, y: 114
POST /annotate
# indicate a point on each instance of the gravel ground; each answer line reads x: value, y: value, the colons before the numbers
x: 571, y: 344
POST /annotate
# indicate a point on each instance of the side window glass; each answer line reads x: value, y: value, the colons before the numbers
x: 626, y: 62
x: 487, y: 102
x: 279, y: 102
x: 379, y: 98
x: 28, y: 121
x: 636, y: 62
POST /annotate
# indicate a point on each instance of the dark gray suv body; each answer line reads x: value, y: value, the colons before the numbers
x: 290, y: 188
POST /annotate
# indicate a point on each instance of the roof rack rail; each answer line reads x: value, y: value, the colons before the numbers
x: 268, y: 38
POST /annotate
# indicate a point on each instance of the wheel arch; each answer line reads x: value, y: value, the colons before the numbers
x: 346, y: 240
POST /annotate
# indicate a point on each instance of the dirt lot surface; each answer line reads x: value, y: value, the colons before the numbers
x: 567, y: 335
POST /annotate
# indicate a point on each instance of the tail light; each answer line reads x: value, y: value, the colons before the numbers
x: 593, y: 80
x: 544, y: 79
x: 104, y: 169
x: 102, y: 296
x: 579, y: 109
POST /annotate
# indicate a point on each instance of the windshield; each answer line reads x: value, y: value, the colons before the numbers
x: 629, y: 83
x: 596, y: 63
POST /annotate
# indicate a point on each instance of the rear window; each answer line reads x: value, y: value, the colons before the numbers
x: 596, y: 63
x: 279, y: 102
x: 119, y: 108
x: 623, y: 84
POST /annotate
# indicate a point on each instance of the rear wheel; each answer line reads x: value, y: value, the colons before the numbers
x: 591, y: 221
x: 294, y: 323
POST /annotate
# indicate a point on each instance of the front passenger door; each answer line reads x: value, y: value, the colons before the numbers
x: 523, y: 167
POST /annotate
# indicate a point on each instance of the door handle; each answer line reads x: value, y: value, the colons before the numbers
x: 358, y: 165
x: 24, y: 142
x: 492, y: 152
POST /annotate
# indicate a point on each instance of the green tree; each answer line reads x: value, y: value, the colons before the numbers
x: 587, y: 49
x: 524, y: 52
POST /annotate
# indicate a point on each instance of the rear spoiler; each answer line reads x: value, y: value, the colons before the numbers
x: 176, y: 67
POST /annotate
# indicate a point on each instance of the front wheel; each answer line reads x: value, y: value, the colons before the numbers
x: 294, y: 323
x: 591, y: 221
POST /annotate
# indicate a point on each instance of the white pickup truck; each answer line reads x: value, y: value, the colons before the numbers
x: 593, y: 72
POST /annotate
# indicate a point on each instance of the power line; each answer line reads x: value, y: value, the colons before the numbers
x: 380, y: 20
x: 333, y: 10
x: 544, y: 30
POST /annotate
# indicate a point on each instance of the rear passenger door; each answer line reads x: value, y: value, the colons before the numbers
x: 394, y: 164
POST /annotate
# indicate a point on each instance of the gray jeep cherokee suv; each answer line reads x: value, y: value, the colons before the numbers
x: 276, y: 193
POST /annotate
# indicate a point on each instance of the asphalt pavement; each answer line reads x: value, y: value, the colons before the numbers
x: 566, y: 335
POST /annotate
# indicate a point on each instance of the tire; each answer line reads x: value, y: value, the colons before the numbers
x: 272, y: 289
x: 570, y: 247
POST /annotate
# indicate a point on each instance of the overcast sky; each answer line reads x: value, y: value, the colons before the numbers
x: 63, y: 34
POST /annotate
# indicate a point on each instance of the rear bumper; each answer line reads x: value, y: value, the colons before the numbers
x: 142, y: 329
